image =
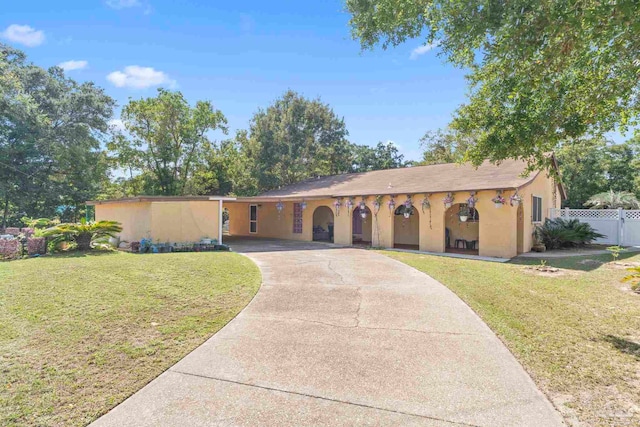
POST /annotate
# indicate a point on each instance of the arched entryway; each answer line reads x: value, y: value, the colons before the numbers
x: 462, y: 229
x: 361, y: 228
x: 406, y: 228
x: 323, y: 224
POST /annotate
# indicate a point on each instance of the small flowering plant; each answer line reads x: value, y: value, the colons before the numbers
x: 377, y: 203
x: 515, y: 199
x: 362, y: 205
x: 349, y: 203
x: 426, y: 204
x: 499, y: 200
x: 279, y: 206
x: 392, y: 204
x: 337, y: 205
x: 448, y: 200
x: 472, y: 200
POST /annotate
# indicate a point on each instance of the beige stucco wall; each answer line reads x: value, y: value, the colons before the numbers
x: 135, y: 218
x: 184, y: 221
x: 541, y: 186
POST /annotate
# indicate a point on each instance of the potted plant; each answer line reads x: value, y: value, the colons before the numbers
x: 336, y: 205
x: 426, y: 204
x: 498, y: 200
x: 515, y: 199
x: 408, y: 208
x: 392, y: 204
x: 463, y: 214
x: 448, y: 200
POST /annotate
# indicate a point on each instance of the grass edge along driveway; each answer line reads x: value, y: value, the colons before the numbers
x: 577, y: 332
x: 79, y: 333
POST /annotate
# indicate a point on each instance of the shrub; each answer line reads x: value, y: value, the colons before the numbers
x: 633, y: 278
x: 561, y: 233
x: 83, y: 233
x: 10, y: 249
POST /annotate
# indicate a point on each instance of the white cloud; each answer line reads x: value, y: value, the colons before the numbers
x: 117, y: 124
x: 137, y: 77
x: 123, y: 4
x: 23, y: 34
x: 421, y: 50
x: 73, y: 65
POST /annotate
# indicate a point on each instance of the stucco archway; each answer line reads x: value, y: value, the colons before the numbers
x: 323, y: 222
x: 462, y: 236
x: 406, y: 231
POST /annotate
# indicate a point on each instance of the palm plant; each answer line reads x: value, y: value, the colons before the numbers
x: 562, y: 233
x: 613, y: 200
x: 83, y: 233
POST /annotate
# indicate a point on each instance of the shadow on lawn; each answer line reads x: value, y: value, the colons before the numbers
x: 81, y: 254
x: 623, y: 345
x: 580, y: 263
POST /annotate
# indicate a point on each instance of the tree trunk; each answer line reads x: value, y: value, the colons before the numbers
x: 84, y: 241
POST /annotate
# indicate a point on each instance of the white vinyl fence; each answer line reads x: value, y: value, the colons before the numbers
x: 621, y: 227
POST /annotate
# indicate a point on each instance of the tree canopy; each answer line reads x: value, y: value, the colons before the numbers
x: 51, y: 130
x: 164, y: 137
x: 540, y: 72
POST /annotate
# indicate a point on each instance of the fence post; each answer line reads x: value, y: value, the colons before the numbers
x: 620, y: 227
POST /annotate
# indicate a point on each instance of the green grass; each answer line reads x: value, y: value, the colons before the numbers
x: 577, y: 333
x: 81, y: 332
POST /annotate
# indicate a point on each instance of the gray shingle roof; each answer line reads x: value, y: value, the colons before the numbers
x: 418, y: 179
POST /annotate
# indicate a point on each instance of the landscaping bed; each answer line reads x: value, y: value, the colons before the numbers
x: 80, y: 332
x: 572, y: 324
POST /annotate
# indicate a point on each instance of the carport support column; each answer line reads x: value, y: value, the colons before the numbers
x: 220, y: 221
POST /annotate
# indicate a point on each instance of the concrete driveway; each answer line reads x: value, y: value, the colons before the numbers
x: 342, y: 336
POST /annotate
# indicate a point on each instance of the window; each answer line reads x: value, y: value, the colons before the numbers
x: 253, y: 218
x: 536, y: 209
x: 297, y: 218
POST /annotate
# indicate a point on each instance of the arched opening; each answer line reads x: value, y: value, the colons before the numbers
x: 323, y: 224
x: 462, y: 229
x: 406, y: 228
x: 361, y: 226
x: 520, y: 229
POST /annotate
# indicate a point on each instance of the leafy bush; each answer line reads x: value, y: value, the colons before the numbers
x: 83, y: 233
x: 633, y: 278
x: 561, y: 233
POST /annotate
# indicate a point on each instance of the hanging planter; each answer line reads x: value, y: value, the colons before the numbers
x: 363, y: 209
x: 280, y: 207
x: 303, y: 205
x: 408, y: 208
x: 376, y: 205
x: 392, y: 204
x: 448, y: 200
x: 349, y: 204
x: 515, y: 199
x: 498, y: 201
x: 472, y: 200
x: 336, y: 205
x: 463, y: 213
x: 426, y: 204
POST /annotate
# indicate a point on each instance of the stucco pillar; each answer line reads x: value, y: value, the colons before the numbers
x: 432, y: 223
x: 382, y: 226
x: 342, y: 233
x: 498, y: 227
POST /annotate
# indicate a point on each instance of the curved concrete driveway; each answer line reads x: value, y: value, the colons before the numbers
x: 341, y: 336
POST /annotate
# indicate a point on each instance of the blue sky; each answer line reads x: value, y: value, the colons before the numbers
x: 242, y: 55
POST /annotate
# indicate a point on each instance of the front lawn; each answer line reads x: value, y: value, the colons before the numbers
x: 81, y: 332
x: 576, y: 331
